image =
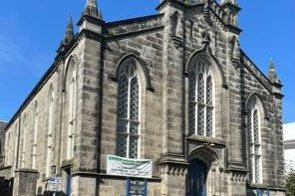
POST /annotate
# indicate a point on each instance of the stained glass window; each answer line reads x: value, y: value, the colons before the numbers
x: 128, y: 112
x: 201, y: 107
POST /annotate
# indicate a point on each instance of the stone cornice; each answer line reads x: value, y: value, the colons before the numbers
x: 105, y: 175
x: 133, y: 20
x: 26, y: 170
x: 90, y: 19
x: 173, y: 168
x: 239, y: 176
x: 173, y: 2
x: 266, y: 187
x: 260, y: 76
x: 173, y: 164
x: 232, y: 6
x: 133, y: 33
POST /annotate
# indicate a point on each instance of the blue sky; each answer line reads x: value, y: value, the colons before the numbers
x: 32, y: 30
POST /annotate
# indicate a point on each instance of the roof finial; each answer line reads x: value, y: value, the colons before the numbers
x: 91, y: 9
x: 69, y: 35
x: 272, y: 74
x: 234, y: 2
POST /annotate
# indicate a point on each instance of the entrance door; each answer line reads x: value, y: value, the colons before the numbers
x: 197, y: 177
x: 69, y: 186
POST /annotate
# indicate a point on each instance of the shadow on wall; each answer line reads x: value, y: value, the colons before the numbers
x: 47, y: 193
x: 258, y: 192
x: 6, y: 187
x: 251, y: 193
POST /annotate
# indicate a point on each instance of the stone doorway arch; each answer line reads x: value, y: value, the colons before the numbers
x: 203, y: 163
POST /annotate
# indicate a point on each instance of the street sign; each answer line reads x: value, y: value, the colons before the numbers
x: 136, y: 187
x: 261, y: 192
x: 120, y: 166
x: 54, y: 184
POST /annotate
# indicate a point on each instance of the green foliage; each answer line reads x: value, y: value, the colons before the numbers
x: 290, y: 183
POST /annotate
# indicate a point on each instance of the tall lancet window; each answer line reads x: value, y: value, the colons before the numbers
x: 71, y: 96
x: 201, y: 104
x: 24, y: 144
x: 50, y: 130
x: 254, y: 141
x: 35, y: 135
x: 128, y: 124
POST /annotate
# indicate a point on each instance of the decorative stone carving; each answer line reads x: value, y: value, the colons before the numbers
x: 174, y: 23
x: 174, y: 29
x: 235, y: 54
x: 206, y: 12
x: 240, y: 177
x: 173, y: 169
x: 206, y: 38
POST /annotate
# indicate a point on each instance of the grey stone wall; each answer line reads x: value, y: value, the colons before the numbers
x: 2, y: 142
x: 163, y: 45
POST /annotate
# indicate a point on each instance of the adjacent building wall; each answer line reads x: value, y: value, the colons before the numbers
x: 289, y: 145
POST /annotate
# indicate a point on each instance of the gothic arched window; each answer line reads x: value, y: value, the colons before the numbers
x: 254, y: 140
x: 71, y: 89
x: 128, y: 123
x: 35, y: 135
x: 50, y: 130
x: 24, y: 144
x: 201, y: 103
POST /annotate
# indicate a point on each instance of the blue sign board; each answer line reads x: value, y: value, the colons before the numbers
x: 260, y: 192
x: 136, y: 187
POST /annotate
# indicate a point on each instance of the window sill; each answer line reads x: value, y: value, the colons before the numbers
x: 264, y: 186
x: 67, y: 163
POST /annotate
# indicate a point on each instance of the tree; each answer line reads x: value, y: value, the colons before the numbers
x: 290, y: 181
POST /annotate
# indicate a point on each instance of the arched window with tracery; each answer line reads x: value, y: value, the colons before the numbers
x: 201, y: 103
x: 71, y: 90
x: 50, y: 130
x: 24, y: 144
x: 254, y: 119
x: 35, y: 135
x: 128, y: 110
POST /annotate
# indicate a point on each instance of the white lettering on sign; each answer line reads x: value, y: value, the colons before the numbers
x: 120, y: 166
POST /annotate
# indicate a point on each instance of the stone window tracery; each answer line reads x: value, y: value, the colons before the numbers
x: 254, y: 144
x: 71, y: 95
x: 50, y: 131
x: 35, y: 136
x: 201, y: 104
x: 71, y: 116
x: 24, y: 144
x: 128, y: 124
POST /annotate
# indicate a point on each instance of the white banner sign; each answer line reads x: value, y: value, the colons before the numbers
x: 119, y: 166
x: 54, y: 184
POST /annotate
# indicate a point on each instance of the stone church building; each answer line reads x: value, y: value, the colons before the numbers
x: 174, y: 87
